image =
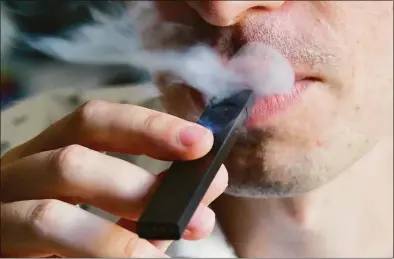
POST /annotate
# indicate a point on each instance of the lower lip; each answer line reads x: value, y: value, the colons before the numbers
x: 266, y: 108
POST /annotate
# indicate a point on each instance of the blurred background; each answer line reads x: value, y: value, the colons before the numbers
x: 27, y: 70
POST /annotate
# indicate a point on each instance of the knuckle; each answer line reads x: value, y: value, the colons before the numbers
x: 88, y: 109
x: 160, y: 123
x: 67, y: 159
x: 153, y: 120
x: 42, y: 213
x: 133, y: 247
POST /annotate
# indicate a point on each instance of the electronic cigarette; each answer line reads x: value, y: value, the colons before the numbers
x: 186, y: 182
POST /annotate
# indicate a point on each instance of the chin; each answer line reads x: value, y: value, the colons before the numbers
x: 263, y: 165
x: 291, y: 152
x: 257, y: 185
x: 263, y: 172
x: 259, y: 166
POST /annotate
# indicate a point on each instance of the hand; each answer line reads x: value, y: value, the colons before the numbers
x: 42, y: 180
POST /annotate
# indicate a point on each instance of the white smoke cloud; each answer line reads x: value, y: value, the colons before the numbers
x: 118, y: 41
x: 7, y: 31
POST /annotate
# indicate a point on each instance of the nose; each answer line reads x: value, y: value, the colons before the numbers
x: 226, y: 13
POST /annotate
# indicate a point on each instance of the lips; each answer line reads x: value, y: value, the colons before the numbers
x: 227, y: 43
x: 275, y: 85
x: 269, y: 106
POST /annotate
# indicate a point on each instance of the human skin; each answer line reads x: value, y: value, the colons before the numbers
x: 335, y: 142
x: 43, y: 178
x: 309, y: 151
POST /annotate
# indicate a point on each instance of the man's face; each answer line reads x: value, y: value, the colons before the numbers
x: 341, y: 52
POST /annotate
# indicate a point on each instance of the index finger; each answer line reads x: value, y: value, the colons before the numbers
x: 128, y: 129
x: 44, y: 226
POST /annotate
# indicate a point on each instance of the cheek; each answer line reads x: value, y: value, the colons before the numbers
x: 324, y: 124
x: 321, y: 127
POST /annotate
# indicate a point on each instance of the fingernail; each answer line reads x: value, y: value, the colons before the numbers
x: 207, y: 213
x: 203, y: 219
x: 201, y: 224
x: 209, y: 216
x: 191, y: 134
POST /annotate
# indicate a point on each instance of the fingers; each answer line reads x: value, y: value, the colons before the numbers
x: 69, y: 173
x: 41, y: 226
x: 126, y: 129
x: 78, y: 174
x: 203, y: 220
x: 63, y: 169
x: 218, y: 186
x: 200, y: 226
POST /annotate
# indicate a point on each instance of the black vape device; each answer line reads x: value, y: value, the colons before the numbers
x: 186, y: 182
